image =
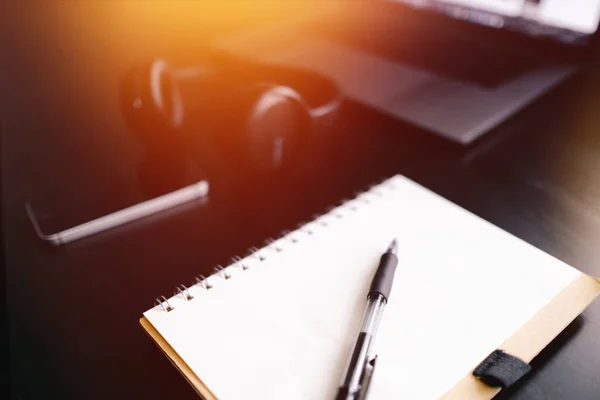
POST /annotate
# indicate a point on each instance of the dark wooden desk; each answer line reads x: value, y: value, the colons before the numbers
x: 73, y: 312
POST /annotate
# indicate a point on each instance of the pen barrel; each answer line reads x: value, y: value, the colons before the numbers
x: 354, y: 372
x: 384, y: 277
x: 343, y: 394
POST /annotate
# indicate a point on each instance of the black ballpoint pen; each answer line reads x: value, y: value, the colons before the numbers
x: 361, y: 365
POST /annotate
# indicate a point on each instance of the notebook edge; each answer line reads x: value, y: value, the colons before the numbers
x: 547, y: 324
x: 176, y: 360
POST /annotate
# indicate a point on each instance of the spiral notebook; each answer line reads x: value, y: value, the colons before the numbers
x: 280, y: 323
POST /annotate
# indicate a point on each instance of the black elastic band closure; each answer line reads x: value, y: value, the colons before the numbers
x: 500, y: 369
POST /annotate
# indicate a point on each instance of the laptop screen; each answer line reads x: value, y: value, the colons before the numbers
x: 566, y: 20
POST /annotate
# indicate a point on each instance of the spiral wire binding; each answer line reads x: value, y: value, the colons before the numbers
x: 271, y: 244
x: 221, y: 271
x: 183, y: 291
x: 203, y: 281
x: 161, y: 301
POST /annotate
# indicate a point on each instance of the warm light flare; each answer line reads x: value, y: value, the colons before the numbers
x: 139, y: 26
x: 205, y: 16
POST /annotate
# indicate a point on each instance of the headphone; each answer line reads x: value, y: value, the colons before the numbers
x: 236, y: 115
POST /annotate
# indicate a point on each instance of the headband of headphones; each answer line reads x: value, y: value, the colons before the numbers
x: 319, y: 94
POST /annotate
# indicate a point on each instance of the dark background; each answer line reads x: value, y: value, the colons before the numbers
x: 73, y: 312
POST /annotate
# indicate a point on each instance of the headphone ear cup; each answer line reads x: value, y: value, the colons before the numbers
x: 264, y: 128
x: 165, y: 94
x: 151, y: 104
x: 134, y: 100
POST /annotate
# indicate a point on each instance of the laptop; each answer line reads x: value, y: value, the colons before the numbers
x: 456, y: 68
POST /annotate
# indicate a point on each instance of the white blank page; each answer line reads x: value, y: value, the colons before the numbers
x: 284, y: 328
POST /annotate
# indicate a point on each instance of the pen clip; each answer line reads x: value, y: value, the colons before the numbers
x: 366, y: 380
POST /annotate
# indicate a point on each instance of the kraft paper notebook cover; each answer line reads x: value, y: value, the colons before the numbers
x: 280, y: 323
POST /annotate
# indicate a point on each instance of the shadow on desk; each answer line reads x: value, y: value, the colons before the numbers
x: 541, y: 360
x: 4, y: 347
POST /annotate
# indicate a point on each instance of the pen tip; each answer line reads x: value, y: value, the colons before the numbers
x: 393, y: 247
